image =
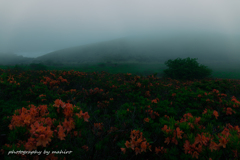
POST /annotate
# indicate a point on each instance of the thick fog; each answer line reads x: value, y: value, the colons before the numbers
x: 33, y: 28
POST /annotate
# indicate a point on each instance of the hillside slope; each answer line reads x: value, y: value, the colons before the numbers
x: 206, y: 49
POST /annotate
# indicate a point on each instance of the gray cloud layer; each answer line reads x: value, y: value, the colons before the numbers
x: 36, y: 26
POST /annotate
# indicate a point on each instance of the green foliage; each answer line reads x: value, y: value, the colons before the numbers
x: 186, y: 69
x: 17, y: 133
x: 38, y: 66
x: 19, y: 67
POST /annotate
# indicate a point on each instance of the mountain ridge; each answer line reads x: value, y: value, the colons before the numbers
x: 124, y: 49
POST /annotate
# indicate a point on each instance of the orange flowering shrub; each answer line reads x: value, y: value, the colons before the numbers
x: 41, y: 129
x: 137, y: 143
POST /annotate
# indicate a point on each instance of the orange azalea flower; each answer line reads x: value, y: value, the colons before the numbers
x: 123, y: 150
x: 48, y: 121
x: 187, y: 146
x: 156, y: 113
x: 223, y: 142
x: 44, y: 137
x: 167, y: 140
x: 40, y: 129
x: 127, y: 144
x: 201, y: 139
x: 174, y: 140
x: 43, y: 110
x: 33, y: 111
x: 143, y: 146
x: 229, y: 111
x: 235, y: 153
x: 226, y: 132
x: 166, y: 116
x: 139, y: 84
x: 205, y: 111
x: 86, y: 116
x: 237, y: 129
x: 154, y: 101
x: 165, y: 129
x: 146, y: 119
x: 191, y: 125
x: 157, y: 150
x: 68, y: 110
x: 31, y: 144
x: 68, y: 125
x: 213, y: 146
x: 42, y: 95
x: 224, y: 95
x: 85, y: 147
x: 195, y: 154
x: 27, y: 119
x: 136, y: 143
x: 179, y: 132
x: 197, y: 120
x: 61, y: 133
x: 214, y: 90
x: 43, y: 100
x: 79, y: 114
x: 75, y: 133
x: 215, y: 113
x: 137, y: 150
x: 98, y: 126
x: 149, y: 147
x: 58, y: 103
x: 133, y: 144
x: 220, y: 100
x: 188, y: 115
x: 42, y: 140
x: 161, y: 149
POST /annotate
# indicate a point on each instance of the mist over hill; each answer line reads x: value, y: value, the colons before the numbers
x: 207, y: 48
x: 212, y: 48
x: 13, y: 59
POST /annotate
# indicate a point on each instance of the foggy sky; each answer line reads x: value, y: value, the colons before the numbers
x: 47, y: 25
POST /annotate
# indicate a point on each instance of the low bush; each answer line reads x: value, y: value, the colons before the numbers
x: 186, y: 69
x: 19, y: 67
x: 38, y: 66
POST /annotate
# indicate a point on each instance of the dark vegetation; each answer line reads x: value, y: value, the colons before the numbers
x: 119, y: 103
x: 186, y: 69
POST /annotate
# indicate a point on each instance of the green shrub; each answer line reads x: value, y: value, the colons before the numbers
x: 19, y: 67
x: 38, y: 67
x: 186, y: 69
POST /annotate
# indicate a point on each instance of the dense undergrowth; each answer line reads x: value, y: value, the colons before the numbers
x: 99, y: 115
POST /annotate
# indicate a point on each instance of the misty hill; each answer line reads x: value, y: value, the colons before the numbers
x: 207, y: 48
x: 12, y: 59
